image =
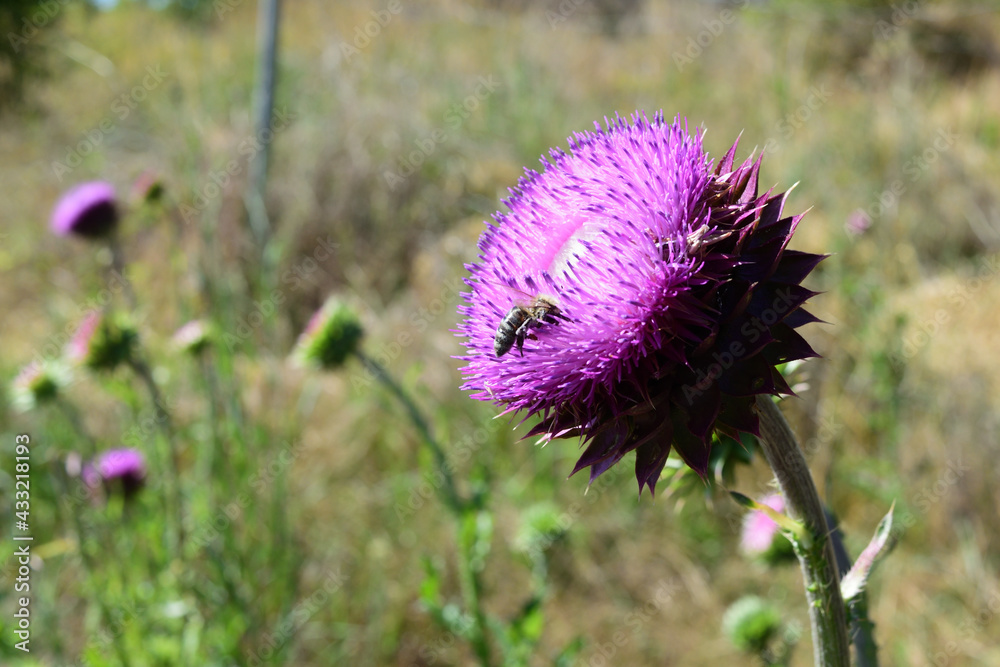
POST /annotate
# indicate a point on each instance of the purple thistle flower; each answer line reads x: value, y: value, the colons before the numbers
x: 87, y: 209
x: 117, y: 468
x: 857, y: 223
x: 674, y: 293
x: 759, y: 533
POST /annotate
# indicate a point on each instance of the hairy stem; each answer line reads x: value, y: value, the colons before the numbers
x: 816, y: 555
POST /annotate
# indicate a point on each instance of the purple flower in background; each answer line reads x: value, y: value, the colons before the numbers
x: 857, y: 223
x: 87, y: 209
x: 653, y: 295
x: 759, y: 531
x: 117, y: 469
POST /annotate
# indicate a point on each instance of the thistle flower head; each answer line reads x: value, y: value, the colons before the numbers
x: 331, y: 336
x: 750, y: 623
x: 147, y: 188
x: 858, y: 223
x: 672, y: 297
x: 193, y: 337
x: 37, y: 383
x: 117, y: 470
x: 761, y: 537
x: 88, y: 210
x: 100, y: 342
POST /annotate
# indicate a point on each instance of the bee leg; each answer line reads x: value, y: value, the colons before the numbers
x: 523, y: 331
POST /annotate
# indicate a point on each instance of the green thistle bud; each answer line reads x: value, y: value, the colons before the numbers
x: 38, y: 383
x: 750, y: 623
x: 331, y: 336
x: 193, y: 338
x: 101, y: 342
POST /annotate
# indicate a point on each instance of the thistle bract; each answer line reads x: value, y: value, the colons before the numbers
x: 88, y: 210
x: 193, y: 337
x: 677, y: 292
x: 331, y: 336
x: 100, y: 342
x: 147, y: 188
x: 37, y: 383
x: 750, y: 623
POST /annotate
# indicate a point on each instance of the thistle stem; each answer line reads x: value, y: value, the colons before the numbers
x: 165, y: 422
x: 450, y: 491
x: 827, y: 615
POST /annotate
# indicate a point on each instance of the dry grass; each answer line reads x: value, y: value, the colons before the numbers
x: 897, y: 426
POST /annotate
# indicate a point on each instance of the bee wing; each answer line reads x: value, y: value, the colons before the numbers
x: 517, y: 296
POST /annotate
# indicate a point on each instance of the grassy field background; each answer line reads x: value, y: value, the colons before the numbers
x: 867, y: 107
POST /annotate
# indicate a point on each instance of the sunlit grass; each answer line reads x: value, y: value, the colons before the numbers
x: 898, y: 419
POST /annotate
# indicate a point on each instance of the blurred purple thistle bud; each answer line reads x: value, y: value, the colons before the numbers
x: 88, y: 210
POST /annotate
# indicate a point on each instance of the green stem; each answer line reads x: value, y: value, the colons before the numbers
x: 76, y: 423
x: 862, y: 633
x: 118, y: 266
x: 827, y: 614
x: 166, y: 425
x: 861, y: 629
x: 450, y: 493
x: 472, y: 587
x: 464, y: 511
x: 74, y: 510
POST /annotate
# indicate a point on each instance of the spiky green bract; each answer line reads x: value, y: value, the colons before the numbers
x: 38, y: 383
x: 750, y: 623
x: 102, y: 341
x: 332, y: 335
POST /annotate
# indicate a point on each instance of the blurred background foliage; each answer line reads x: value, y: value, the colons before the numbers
x: 404, y: 130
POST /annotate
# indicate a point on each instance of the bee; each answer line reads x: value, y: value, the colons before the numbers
x: 518, y: 322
